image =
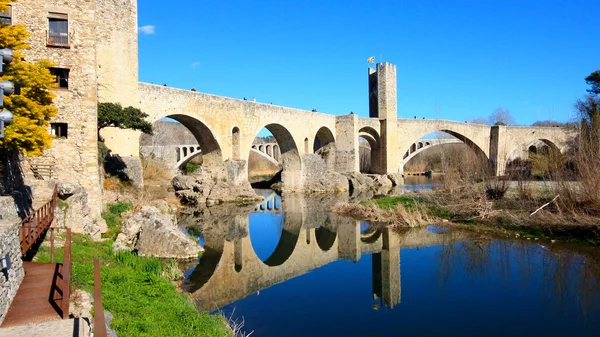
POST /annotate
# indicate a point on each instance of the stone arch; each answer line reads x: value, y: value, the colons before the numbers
x: 375, y: 158
x: 235, y: 143
x: 370, y: 235
x: 325, y: 238
x: 520, y: 155
x: 276, y: 153
x: 213, y: 252
x: 268, y: 150
x: 324, y: 145
x: 208, y: 145
x: 479, y: 152
x: 290, y: 157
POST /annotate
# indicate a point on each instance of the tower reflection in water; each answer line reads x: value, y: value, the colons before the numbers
x: 247, y: 250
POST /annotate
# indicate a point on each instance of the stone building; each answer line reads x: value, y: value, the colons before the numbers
x: 94, y: 46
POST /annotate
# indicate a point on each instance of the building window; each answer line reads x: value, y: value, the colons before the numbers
x: 6, y: 16
x: 59, y: 130
x: 62, y: 77
x: 58, y: 30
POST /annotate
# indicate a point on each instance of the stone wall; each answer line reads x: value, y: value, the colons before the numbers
x: 12, y: 278
x: 75, y: 158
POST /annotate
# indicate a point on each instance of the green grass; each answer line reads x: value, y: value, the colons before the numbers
x: 135, y: 289
x: 113, y: 218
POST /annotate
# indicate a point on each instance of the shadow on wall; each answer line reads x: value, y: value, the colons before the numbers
x: 13, y: 184
x: 113, y: 164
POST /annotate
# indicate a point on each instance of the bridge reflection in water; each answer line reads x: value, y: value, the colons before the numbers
x: 278, y: 241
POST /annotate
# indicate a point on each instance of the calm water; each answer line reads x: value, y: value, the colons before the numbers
x: 290, y: 268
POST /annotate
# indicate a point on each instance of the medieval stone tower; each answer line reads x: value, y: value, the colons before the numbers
x: 93, y: 44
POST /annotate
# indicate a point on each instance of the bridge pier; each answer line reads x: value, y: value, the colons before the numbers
x: 498, y: 150
x: 346, y: 131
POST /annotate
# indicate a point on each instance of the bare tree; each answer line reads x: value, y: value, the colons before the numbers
x: 480, y: 120
x: 501, y: 117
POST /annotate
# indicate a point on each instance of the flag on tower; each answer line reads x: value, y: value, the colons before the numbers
x: 371, y: 59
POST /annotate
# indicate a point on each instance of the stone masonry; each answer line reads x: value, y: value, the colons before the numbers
x: 10, y: 279
x: 102, y: 58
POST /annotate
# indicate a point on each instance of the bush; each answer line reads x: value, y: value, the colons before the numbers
x: 191, y: 168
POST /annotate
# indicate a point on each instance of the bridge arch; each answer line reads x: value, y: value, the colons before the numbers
x: 519, y: 159
x: 291, y: 164
x: 421, y: 145
x: 325, y: 238
x: 324, y: 145
x: 166, y: 141
x: 370, y: 159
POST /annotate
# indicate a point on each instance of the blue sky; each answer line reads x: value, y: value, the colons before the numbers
x: 455, y: 59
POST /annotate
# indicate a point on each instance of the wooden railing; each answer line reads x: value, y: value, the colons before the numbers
x: 99, y: 321
x: 63, y: 280
x: 36, y: 223
x: 42, y: 171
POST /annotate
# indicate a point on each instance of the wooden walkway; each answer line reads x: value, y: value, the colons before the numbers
x: 37, y: 299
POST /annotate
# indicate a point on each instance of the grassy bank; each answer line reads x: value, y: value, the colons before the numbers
x: 138, y: 291
x: 509, y: 214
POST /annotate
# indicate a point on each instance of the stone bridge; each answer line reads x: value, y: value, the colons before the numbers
x: 310, y: 141
x: 425, y: 144
x: 230, y: 269
x: 176, y: 156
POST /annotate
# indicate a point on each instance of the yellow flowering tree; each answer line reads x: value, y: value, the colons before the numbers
x: 32, y: 108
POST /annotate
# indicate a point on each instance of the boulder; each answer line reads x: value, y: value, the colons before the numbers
x: 224, y: 192
x: 207, y: 189
x: 396, y: 178
x: 154, y: 234
x: 181, y: 182
x: 382, y: 183
x: 72, y: 211
x: 359, y: 182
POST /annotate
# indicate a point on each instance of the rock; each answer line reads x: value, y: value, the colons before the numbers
x: 8, y: 209
x: 225, y: 192
x: 72, y: 211
x: 396, y: 178
x: 381, y: 182
x: 65, y: 190
x: 181, y: 182
x: 201, y: 189
x: 108, y: 317
x: 155, y: 235
x: 359, y: 182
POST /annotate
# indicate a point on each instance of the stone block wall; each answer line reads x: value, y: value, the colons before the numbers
x: 12, y: 278
x: 75, y: 157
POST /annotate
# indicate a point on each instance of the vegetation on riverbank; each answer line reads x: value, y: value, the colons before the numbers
x: 137, y: 290
x: 549, y: 193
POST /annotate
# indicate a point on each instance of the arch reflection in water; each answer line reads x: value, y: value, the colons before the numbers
x: 303, y: 245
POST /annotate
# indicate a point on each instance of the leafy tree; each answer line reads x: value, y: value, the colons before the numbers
x: 32, y: 108
x: 594, y: 81
x: 114, y: 115
x: 501, y: 117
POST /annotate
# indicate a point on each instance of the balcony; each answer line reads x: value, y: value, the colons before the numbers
x: 60, y: 40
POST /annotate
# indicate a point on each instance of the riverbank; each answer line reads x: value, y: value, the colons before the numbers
x: 532, y: 217
x: 139, y: 292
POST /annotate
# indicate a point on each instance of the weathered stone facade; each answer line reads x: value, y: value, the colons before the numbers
x: 101, y: 56
x: 10, y: 279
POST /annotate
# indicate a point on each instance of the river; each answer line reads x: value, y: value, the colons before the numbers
x: 291, y: 268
